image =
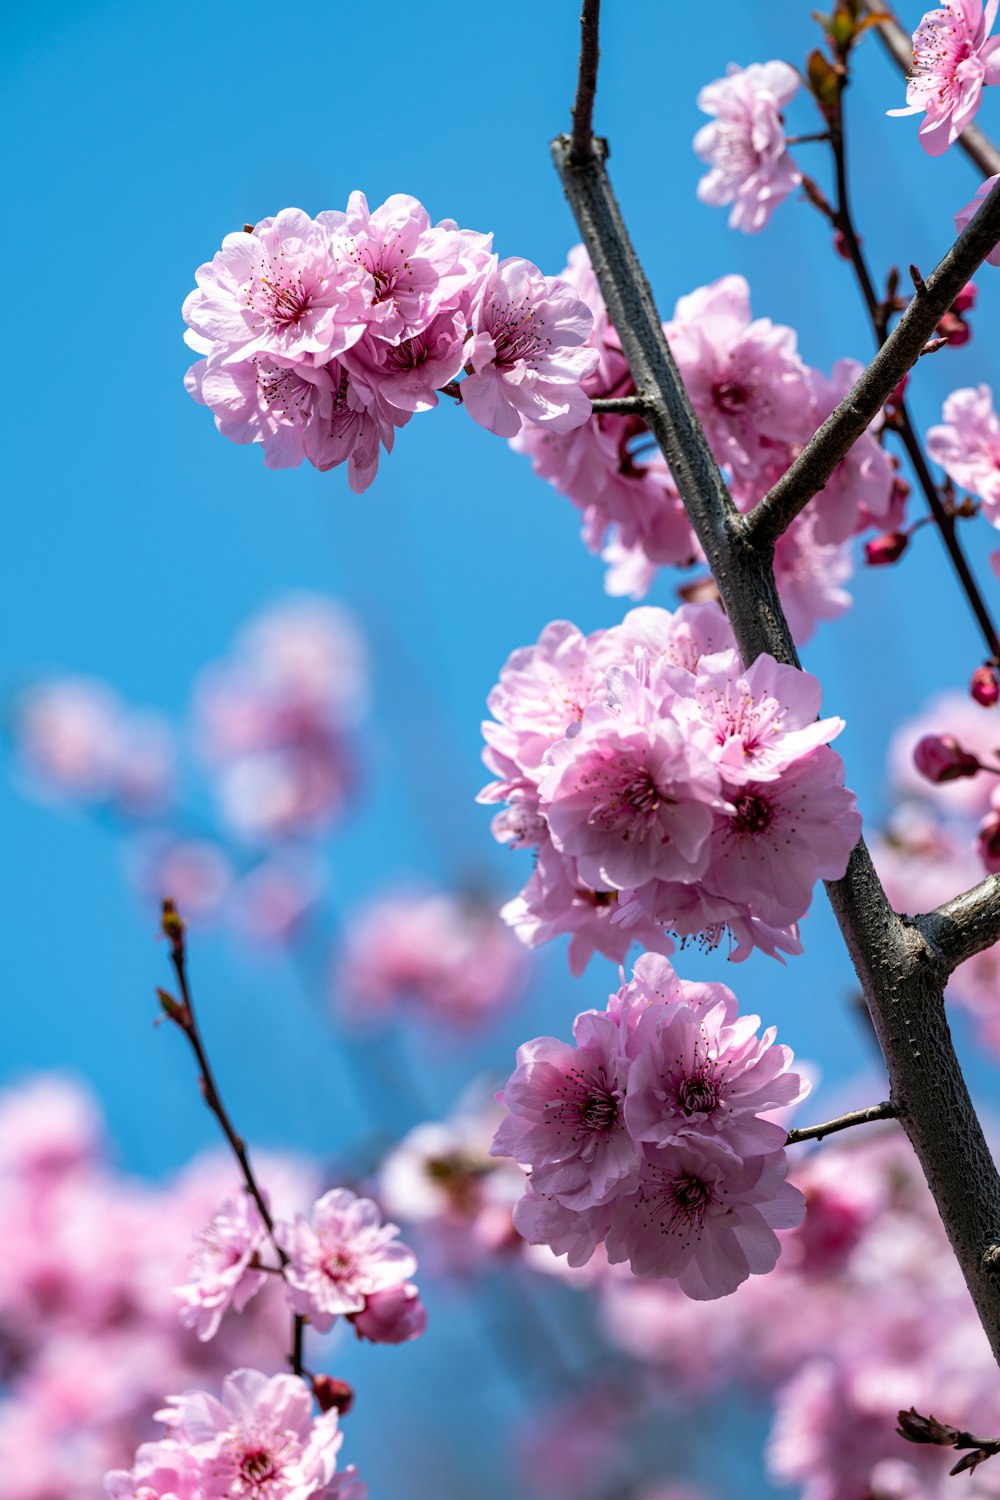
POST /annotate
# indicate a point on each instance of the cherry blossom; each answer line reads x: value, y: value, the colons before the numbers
x: 745, y: 143
x: 341, y: 1256
x: 527, y: 356
x: 258, y: 1441
x: 952, y: 61
x: 220, y: 1273
x: 967, y: 445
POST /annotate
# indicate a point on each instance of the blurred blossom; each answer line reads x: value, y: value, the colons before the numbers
x: 195, y: 873
x: 441, y: 956
x: 77, y: 742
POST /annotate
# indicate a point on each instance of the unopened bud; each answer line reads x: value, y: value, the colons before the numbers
x: 988, y: 843
x: 885, y: 549
x: 940, y: 758
x: 332, y: 1394
x: 171, y: 923
x: 840, y: 244
x: 920, y: 1429
x: 984, y: 686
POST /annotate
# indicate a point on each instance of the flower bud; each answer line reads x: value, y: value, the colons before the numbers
x: 940, y: 758
x: 920, y: 1429
x: 988, y: 843
x: 984, y: 686
x: 887, y: 548
x: 392, y: 1316
x: 332, y: 1394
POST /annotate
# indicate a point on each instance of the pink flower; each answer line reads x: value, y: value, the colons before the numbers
x: 527, y: 357
x: 258, y: 400
x: 260, y: 1441
x: 630, y: 796
x: 967, y: 445
x: 745, y: 144
x: 952, y: 61
x: 696, y: 1072
x: 783, y: 836
x: 566, y: 1114
x: 429, y: 953
x: 340, y: 1257
x: 965, y: 214
x: 760, y: 720
x: 705, y: 1217
x: 220, y: 1268
x: 288, y: 289
x: 162, y: 1471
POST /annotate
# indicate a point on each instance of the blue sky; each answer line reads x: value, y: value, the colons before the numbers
x: 138, y: 540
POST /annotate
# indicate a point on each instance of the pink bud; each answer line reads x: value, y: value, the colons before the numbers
x: 988, y: 842
x: 332, y: 1394
x: 940, y: 757
x: 840, y: 244
x: 886, y: 548
x: 984, y: 686
x: 966, y: 298
x: 391, y: 1317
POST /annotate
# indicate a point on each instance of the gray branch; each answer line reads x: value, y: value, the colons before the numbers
x: 900, y: 352
x: 978, y: 147
x: 963, y: 927
x: 902, y: 972
x: 885, y: 1111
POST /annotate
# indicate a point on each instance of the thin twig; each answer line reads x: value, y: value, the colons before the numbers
x: 867, y: 1116
x: 184, y: 1017
x: 879, y: 311
x: 582, y: 140
x: 620, y: 405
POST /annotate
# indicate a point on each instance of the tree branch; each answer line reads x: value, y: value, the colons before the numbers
x: 619, y: 405
x: 902, y: 975
x: 900, y: 352
x: 582, y: 140
x: 978, y: 147
x: 966, y: 925
x: 867, y: 1116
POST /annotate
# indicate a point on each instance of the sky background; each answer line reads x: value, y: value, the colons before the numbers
x: 138, y: 540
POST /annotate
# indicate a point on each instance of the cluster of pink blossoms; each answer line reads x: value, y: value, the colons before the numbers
x: 323, y: 336
x: 648, y: 1135
x: 430, y: 953
x: 759, y: 404
x: 258, y: 1441
x: 342, y: 1261
x: 666, y: 788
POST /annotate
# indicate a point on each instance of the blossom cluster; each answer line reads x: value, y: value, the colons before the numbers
x: 89, y: 1331
x: 340, y: 1261
x: 648, y: 1135
x: 258, y: 1441
x: 745, y: 142
x: 323, y: 336
x: 666, y: 788
x: 870, y: 1249
x: 759, y: 404
x: 430, y: 953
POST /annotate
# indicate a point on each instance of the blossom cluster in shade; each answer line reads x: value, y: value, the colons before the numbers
x: 647, y: 1135
x: 665, y: 788
x: 427, y: 953
x: 954, y: 59
x: 870, y: 1249
x: 943, y: 837
x: 258, y: 1440
x: 340, y: 1261
x: 321, y: 337
x: 759, y: 404
x: 745, y: 143
x: 89, y: 1331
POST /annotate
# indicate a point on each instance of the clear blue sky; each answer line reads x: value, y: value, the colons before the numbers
x: 137, y: 540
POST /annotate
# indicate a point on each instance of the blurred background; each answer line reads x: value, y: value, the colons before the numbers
x: 139, y: 545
